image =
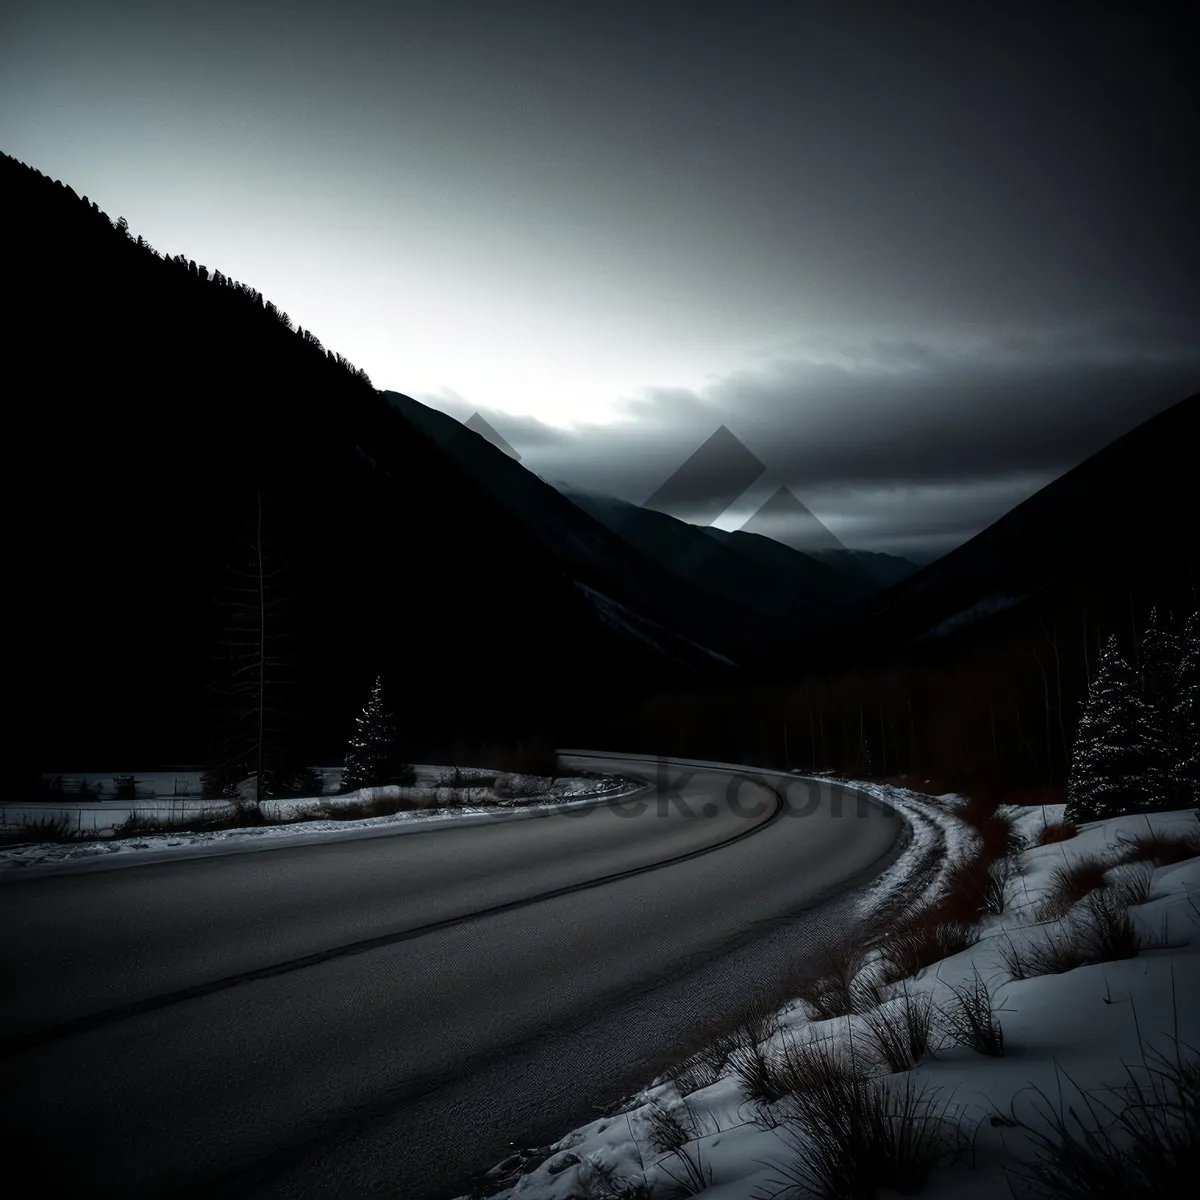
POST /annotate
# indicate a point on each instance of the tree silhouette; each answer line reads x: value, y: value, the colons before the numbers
x: 1184, y: 716
x: 255, y: 667
x: 1113, y: 760
x: 371, y: 760
x: 1159, y: 656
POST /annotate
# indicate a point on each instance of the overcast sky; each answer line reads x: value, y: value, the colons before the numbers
x: 918, y: 258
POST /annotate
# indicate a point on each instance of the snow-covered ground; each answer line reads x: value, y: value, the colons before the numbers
x: 1068, y: 1038
x: 173, y: 798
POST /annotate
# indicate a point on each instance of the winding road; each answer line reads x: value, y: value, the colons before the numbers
x: 381, y: 1013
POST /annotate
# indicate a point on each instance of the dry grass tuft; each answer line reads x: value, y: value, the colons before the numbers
x: 1058, y: 831
x: 997, y: 838
x: 1161, y: 849
x: 902, y: 1032
x: 1071, y: 882
x: 1100, y: 930
x: 921, y: 940
x: 1139, y: 1139
x: 1131, y: 882
x: 842, y: 987
x: 970, y: 1017
x: 855, y: 1137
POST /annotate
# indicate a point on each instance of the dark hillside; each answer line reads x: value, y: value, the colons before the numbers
x: 150, y: 401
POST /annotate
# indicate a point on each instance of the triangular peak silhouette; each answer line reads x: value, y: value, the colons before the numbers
x: 785, y: 519
x: 478, y: 425
x: 710, y: 480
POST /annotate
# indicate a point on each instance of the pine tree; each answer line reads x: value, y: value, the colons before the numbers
x: 1184, y: 716
x: 1113, y: 749
x: 371, y: 760
x: 1159, y: 659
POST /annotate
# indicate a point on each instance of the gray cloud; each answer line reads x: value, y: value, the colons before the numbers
x: 894, y: 445
x: 549, y: 206
x: 524, y: 434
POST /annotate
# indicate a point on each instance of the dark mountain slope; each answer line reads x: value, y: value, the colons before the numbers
x: 149, y: 406
x: 1113, y: 536
x: 875, y: 569
x: 726, y: 603
x: 970, y: 676
x: 762, y: 576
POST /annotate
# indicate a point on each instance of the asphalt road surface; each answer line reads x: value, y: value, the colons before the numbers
x: 383, y: 1015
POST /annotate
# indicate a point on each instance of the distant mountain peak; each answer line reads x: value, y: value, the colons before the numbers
x: 786, y: 519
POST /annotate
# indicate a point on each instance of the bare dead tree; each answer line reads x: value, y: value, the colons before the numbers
x: 912, y: 733
x: 1087, y: 666
x: 1062, y: 732
x: 254, y: 664
x: 1046, y: 710
x: 882, y: 743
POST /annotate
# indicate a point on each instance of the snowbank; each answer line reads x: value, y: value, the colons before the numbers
x: 428, y: 800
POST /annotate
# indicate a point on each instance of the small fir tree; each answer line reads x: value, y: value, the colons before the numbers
x: 1159, y: 659
x: 1110, y: 761
x: 371, y: 758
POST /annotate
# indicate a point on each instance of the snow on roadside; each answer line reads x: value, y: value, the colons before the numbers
x: 937, y: 840
x: 433, y: 802
x: 1062, y: 1032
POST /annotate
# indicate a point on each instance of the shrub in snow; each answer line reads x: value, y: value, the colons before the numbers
x: 56, y: 828
x: 1098, y: 930
x: 995, y: 830
x: 1000, y: 873
x: 854, y: 1137
x: 1160, y: 848
x: 757, y: 1075
x: 668, y: 1127
x: 901, y: 1033
x: 1058, y: 831
x: 1108, y: 934
x: 687, y: 1170
x: 976, y: 885
x: 1071, y: 882
x: 1050, y: 952
x: 1139, y: 1139
x: 1131, y: 882
x: 600, y: 1181
x: 699, y: 1071
x: 822, y: 1065
x: 843, y: 986
x: 757, y: 1019
x: 970, y: 1017
x: 922, y: 940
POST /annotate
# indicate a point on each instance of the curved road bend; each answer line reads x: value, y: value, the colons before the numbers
x: 378, y: 1015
